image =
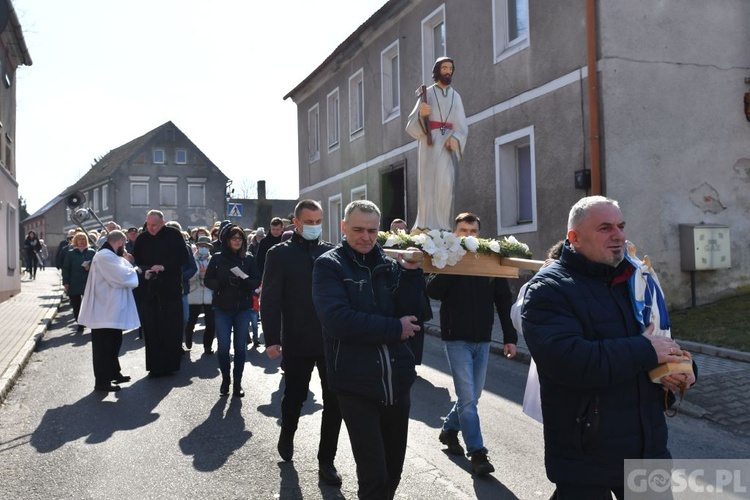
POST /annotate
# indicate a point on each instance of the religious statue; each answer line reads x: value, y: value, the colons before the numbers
x: 438, y: 122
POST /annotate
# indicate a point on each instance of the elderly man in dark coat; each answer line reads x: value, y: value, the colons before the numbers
x: 598, y: 402
x: 160, y: 254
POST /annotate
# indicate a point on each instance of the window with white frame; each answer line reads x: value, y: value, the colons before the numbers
x: 390, y: 82
x: 359, y: 193
x: 11, y: 237
x: 105, y: 197
x: 335, y: 214
x: 95, y: 200
x: 159, y: 156
x: 139, y: 194
x: 511, y: 27
x: 332, y: 109
x: 516, y: 182
x: 180, y: 156
x: 313, y: 133
x: 168, y: 194
x: 196, y: 195
x: 433, y: 40
x: 356, y: 105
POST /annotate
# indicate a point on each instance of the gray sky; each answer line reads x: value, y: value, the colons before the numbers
x: 106, y: 72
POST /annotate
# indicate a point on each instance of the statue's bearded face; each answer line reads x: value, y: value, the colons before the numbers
x: 446, y: 73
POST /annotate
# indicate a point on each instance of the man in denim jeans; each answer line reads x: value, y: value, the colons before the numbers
x: 466, y: 319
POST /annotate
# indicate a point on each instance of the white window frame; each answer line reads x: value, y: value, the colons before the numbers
x: 359, y: 192
x: 390, y: 83
x: 313, y: 133
x: 505, y: 47
x: 333, y: 119
x: 335, y: 215
x: 155, y: 159
x: 134, y: 184
x: 105, y: 197
x: 357, y: 105
x: 429, y: 56
x: 177, y: 156
x: 163, y: 188
x: 506, y: 182
x: 196, y: 203
x: 11, y: 238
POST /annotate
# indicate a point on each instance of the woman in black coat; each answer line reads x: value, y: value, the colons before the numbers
x: 233, y: 276
x: 31, y: 247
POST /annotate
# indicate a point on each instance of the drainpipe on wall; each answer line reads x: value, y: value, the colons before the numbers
x: 593, y: 91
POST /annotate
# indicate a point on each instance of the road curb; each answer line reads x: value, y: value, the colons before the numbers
x: 719, y: 352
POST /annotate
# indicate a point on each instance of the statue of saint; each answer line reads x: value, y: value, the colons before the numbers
x: 438, y: 122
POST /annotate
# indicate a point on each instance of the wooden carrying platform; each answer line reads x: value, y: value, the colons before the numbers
x: 472, y: 264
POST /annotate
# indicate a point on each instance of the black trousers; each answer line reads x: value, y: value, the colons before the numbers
x: 105, y: 345
x: 210, y: 332
x: 378, y: 436
x: 161, y: 319
x: 297, y: 374
x: 75, y: 302
x: 574, y: 492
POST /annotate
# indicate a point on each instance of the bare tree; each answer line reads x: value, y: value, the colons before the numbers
x: 247, y: 189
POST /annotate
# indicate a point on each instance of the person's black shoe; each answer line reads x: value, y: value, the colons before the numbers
x: 208, y: 351
x: 285, y: 446
x: 189, y: 340
x: 480, y: 464
x: 80, y: 329
x: 224, y: 390
x: 238, y: 392
x: 107, y: 387
x: 450, y: 439
x: 256, y: 344
x: 329, y: 475
x: 121, y: 378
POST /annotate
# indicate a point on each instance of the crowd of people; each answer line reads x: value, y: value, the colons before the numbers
x: 354, y: 315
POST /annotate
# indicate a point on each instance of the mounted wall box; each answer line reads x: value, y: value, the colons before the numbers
x: 704, y: 247
x: 583, y: 179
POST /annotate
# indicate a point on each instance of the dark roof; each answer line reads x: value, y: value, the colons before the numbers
x: 110, y: 162
x: 17, y: 44
x: 46, y: 207
x: 390, y: 8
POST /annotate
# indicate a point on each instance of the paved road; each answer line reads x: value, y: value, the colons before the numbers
x: 175, y: 437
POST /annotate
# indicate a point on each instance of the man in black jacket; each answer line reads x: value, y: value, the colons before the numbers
x: 593, y: 356
x: 292, y: 330
x: 269, y: 240
x: 160, y: 255
x: 63, y: 247
x: 466, y: 319
x: 370, y: 307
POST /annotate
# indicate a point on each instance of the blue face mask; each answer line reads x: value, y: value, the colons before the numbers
x: 312, y: 232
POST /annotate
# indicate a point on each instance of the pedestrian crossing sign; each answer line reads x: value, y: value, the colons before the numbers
x: 234, y: 210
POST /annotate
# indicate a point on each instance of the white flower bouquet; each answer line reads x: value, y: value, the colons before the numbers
x: 447, y: 249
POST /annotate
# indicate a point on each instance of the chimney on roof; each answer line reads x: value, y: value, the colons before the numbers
x: 261, y: 190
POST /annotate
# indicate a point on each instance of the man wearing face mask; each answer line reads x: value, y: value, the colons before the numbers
x: 292, y: 330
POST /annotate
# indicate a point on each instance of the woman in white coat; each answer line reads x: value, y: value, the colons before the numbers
x: 108, y: 308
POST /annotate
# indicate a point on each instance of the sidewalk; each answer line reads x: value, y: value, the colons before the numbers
x: 719, y: 395
x: 25, y: 319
